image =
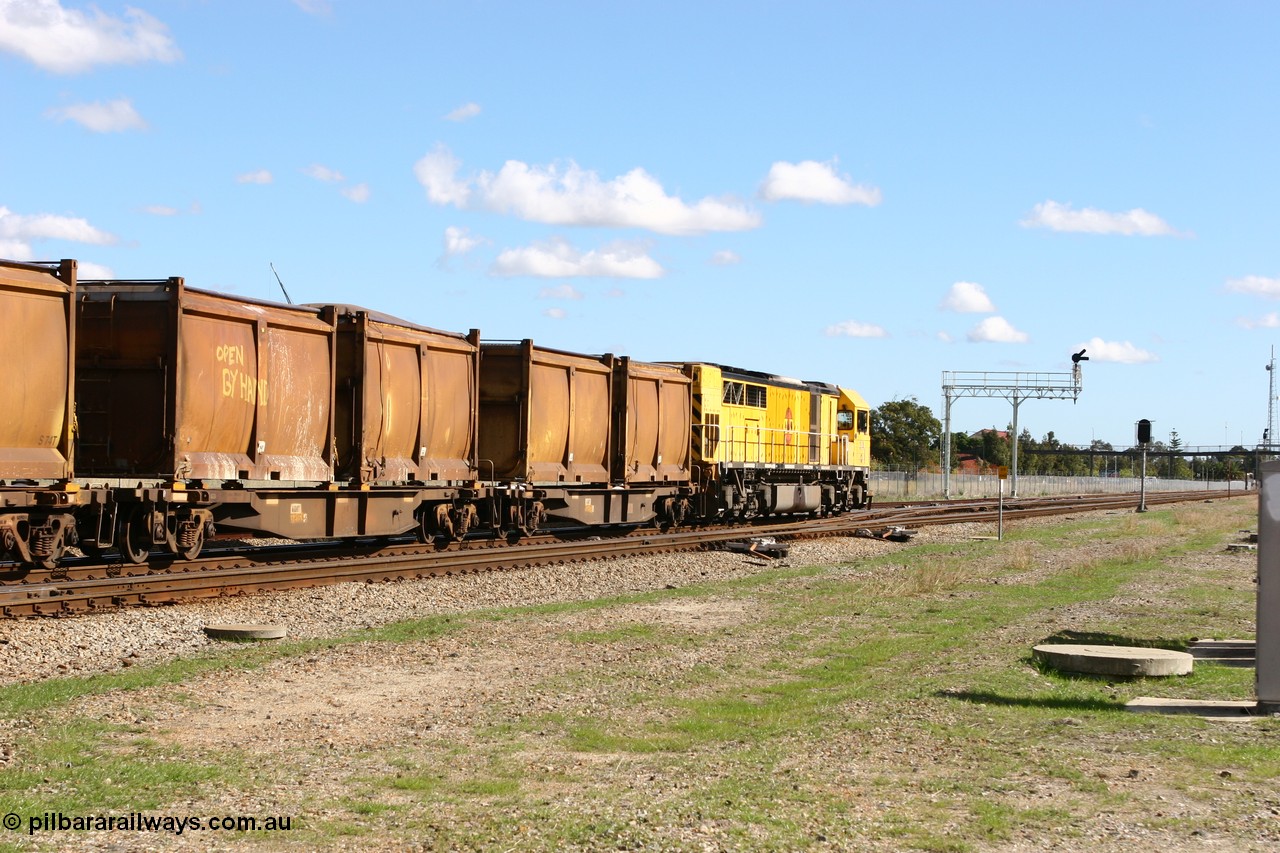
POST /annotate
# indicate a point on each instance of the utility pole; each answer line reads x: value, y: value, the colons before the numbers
x: 1144, y: 439
x: 1269, y: 436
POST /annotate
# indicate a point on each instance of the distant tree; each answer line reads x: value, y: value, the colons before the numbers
x: 995, y: 447
x: 904, y: 433
x: 1101, y: 464
x: 1030, y: 462
x: 1179, y: 467
x: 963, y: 444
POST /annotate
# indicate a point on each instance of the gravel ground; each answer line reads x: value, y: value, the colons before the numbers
x: 38, y: 648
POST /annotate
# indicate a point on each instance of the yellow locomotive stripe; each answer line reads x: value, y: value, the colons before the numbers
x: 697, y: 426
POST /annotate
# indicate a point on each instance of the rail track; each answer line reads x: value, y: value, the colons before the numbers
x: 84, y: 586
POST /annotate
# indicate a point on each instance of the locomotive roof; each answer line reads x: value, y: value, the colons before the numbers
x: 774, y: 379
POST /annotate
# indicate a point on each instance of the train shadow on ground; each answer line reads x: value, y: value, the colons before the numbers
x: 980, y: 697
x: 1098, y: 638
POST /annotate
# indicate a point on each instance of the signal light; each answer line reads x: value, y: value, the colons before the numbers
x: 1144, y: 431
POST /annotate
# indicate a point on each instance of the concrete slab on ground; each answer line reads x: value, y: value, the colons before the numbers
x: 244, y: 632
x: 1240, y: 653
x: 1114, y: 660
x: 1212, y: 709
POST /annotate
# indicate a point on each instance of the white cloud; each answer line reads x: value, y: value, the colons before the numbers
x: 1121, y: 352
x: 997, y: 330
x: 1061, y: 217
x: 571, y: 195
x: 560, y: 291
x: 437, y: 173
x: 320, y: 8
x: 557, y: 259
x: 812, y: 181
x: 464, y: 112
x: 18, y: 231
x: 67, y: 41
x: 458, y: 241
x: 1255, y: 285
x: 725, y: 258
x: 555, y: 313
x: 945, y: 337
x: 1266, y: 321
x: 359, y: 193
x: 854, y: 329
x: 262, y: 176
x: 110, y: 117
x: 89, y: 271
x: 169, y: 210
x: 323, y: 173
x: 965, y: 297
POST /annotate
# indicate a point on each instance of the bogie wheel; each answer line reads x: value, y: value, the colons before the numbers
x: 91, y: 550
x: 135, y: 537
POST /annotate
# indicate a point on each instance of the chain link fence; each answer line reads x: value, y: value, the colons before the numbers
x: 906, y: 485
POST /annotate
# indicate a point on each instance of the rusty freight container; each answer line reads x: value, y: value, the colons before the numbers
x: 406, y: 404
x: 36, y: 304
x: 185, y: 384
x: 652, y: 414
x: 544, y: 414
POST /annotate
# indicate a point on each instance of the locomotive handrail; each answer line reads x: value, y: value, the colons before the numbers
x: 772, y: 446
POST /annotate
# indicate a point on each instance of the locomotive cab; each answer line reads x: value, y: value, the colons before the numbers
x: 853, y: 430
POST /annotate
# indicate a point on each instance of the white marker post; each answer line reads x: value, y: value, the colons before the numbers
x: 1003, y: 473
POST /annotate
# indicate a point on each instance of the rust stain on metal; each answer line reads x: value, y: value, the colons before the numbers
x: 183, y: 383
x: 653, y: 410
x: 405, y: 400
x: 35, y: 432
x: 546, y: 414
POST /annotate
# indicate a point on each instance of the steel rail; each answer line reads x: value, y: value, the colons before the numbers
x: 97, y: 588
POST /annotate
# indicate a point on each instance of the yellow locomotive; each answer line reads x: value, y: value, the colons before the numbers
x: 765, y: 444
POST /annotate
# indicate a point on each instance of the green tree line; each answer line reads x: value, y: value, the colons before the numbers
x: 906, y: 435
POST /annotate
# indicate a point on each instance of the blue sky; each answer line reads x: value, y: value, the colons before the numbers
x: 863, y: 193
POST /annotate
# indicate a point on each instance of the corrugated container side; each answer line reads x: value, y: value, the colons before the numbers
x: 652, y: 418
x: 38, y: 333
x: 185, y: 383
x: 545, y: 415
x: 406, y: 404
